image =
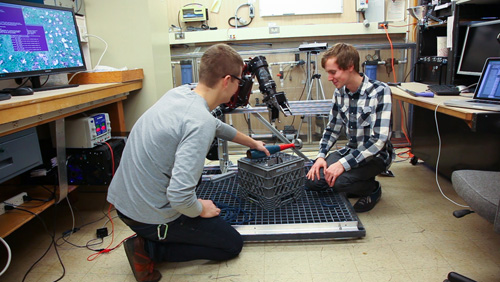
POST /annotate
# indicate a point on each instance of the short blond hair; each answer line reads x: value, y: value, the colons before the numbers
x: 218, y: 61
x: 346, y: 54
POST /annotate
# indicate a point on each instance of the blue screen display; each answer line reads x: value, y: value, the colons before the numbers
x: 38, y: 39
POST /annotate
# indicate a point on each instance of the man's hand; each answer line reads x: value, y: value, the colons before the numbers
x: 314, y: 171
x: 332, y: 172
x: 259, y: 145
x: 209, y: 209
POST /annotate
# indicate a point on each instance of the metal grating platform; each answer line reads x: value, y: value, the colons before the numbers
x: 318, y: 215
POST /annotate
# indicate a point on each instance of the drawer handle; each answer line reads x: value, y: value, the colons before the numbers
x: 6, y: 162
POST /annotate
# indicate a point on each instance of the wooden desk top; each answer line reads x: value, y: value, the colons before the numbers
x: 21, y: 112
x: 431, y: 103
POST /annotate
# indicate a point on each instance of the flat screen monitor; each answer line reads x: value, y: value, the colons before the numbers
x: 38, y: 40
x: 482, y: 40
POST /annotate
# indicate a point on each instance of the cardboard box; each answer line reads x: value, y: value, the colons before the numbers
x: 107, y: 76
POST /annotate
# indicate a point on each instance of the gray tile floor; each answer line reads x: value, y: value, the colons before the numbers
x: 411, y: 236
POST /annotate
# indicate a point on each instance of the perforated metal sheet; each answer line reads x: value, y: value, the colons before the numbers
x: 318, y: 215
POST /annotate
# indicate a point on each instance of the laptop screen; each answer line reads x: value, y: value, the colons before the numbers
x: 488, y: 86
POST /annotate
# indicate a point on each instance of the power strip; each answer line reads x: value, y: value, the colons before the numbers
x: 14, y: 201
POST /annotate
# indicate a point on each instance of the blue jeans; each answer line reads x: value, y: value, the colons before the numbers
x: 359, y: 181
x: 189, y: 239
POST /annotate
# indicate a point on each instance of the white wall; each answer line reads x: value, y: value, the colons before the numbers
x: 137, y: 35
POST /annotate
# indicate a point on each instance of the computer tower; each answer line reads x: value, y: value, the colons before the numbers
x: 94, y: 166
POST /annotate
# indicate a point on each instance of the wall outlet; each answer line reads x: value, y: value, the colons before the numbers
x: 179, y: 35
x: 382, y: 24
x: 14, y: 201
x: 274, y: 29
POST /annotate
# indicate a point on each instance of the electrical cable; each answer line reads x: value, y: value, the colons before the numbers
x: 55, y: 246
x: 52, y: 242
x: 100, y: 58
x: 395, y: 81
x: 103, y: 52
x: 79, y: 7
x: 437, y: 160
x: 392, y: 52
x: 300, y: 97
x: 412, y: 69
x: 72, y: 217
x: 66, y: 233
x: 9, y: 256
x: 112, y: 159
x: 230, y: 213
x: 107, y: 249
x: 238, y: 20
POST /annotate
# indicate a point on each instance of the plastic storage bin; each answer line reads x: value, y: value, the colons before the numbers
x: 273, y: 181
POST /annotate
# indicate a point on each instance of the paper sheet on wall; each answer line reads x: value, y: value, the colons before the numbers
x: 396, y: 11
x: 376, y: 11
x: 299, y: 7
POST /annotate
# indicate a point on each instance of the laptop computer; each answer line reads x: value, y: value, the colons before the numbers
x: 487, y: 93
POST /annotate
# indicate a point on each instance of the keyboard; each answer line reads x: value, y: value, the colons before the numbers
x: 444, y: 89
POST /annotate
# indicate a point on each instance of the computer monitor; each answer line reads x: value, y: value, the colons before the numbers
x: 38, y: 40
x: 482, y: 40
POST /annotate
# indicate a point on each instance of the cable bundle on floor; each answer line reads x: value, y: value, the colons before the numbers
x: 231, y: 213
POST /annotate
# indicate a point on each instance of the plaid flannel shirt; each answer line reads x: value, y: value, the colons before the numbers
x: 366, y: 117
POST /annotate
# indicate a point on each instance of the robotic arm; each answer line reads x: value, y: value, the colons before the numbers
x: 276, y: 101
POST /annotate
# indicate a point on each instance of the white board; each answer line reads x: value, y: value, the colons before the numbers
x: 299, y: 7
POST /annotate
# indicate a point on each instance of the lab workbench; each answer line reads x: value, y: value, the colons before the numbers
x: 468, y: 138
x: 22, y: 112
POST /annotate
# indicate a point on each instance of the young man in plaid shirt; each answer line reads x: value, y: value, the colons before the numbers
x: 362, y: 108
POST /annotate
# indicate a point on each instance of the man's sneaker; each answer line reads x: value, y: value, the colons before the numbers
x: 141, y: 264
x: 367, y: 203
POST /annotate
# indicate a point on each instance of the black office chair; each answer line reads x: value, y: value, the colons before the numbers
x: 455, y: 277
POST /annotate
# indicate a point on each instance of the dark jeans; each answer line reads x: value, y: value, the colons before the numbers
x: 359, y: 181
x: 189, y: 239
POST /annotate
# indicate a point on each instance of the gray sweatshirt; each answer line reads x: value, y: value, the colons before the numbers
x: 164, y: 158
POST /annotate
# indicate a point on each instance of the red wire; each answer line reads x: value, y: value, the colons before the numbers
x: 112, y: 159
x: 107, y: 249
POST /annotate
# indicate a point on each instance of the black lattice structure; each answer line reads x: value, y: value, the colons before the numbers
x: 271, y: 186
x: 313, y: 216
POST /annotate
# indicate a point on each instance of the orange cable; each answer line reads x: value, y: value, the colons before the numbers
x: 392, y: 53
x: 403, y: 122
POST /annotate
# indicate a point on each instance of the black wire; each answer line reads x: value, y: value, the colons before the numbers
x: 45, y: 82
x: 412, y: 69
x: 52, y: 242
x: 55, y: 245
x: 236, y: 22
x: 80, y: 7
x: 300, y: 97
x: 69, y: 232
